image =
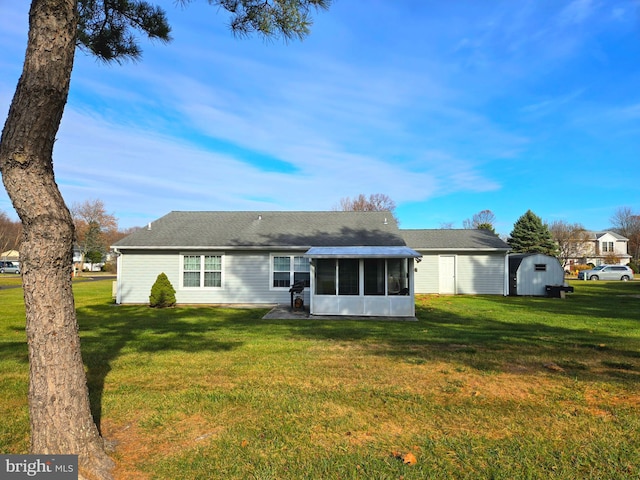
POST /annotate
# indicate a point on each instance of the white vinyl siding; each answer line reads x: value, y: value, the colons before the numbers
x: 475, y: 273
x: 481, y: 274
x: 246, y: 278
x: 137, y: 273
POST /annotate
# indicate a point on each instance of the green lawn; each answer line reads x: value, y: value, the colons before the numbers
x: 479, y: 387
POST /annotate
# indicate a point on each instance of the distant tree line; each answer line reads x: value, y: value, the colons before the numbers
x: 95, y: 230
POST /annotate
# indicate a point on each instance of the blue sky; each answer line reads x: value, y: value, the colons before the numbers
x: 447, y: 107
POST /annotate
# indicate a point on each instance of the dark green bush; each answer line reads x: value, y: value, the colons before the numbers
x: 162, y: 293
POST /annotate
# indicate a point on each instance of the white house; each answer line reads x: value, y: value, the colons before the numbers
x: 600, y: 248
x: 351, y: 263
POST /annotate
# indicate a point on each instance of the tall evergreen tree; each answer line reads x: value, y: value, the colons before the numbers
x: 530, y: 235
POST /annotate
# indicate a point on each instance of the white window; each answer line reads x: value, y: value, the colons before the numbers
x: 202, y: 271
x: 289, y: 269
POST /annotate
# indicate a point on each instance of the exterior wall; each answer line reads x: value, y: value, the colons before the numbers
x: 427, y: 274
x: 532, y: 282
x: 476, y: 273
x: 481, y: 274
x: 245, y: 279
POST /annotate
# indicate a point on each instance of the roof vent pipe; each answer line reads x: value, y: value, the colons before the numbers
x: 385, y: 221
x: 149, y: 226
x: 259, y: 217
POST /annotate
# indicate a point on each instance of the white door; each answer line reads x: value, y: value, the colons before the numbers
x: 447, y: 274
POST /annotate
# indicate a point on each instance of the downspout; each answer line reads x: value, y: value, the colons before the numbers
x: 312, y: 283
x: 118, y: 275
x: 411, y: 279
x: 506, y: 275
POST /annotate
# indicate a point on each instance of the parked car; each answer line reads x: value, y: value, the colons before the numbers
x: 607, y: 272
x: 9, y: 267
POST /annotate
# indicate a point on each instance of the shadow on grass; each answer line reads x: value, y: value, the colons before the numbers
x: 590, y: 336
x: 107, y: 330
x: 487, y: 333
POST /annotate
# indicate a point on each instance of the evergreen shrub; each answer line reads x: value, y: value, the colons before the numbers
x: 162, y: 293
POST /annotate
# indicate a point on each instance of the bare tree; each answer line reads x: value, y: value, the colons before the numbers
x: 10, y: 233
x: 571, y: 239
x: 94, y: 227
x: 376, y: 202
x: 484, y: 220
x: 627, y: 223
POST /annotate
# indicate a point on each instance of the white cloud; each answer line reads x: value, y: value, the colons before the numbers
x: 428, y: 104
x: 577, y: 12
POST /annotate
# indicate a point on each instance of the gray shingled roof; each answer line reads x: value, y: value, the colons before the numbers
x: 595, y: 235
x: 453, y: 239
x: 267, y: 229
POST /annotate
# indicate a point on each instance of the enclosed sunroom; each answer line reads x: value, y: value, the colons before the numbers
x: 362, y: 281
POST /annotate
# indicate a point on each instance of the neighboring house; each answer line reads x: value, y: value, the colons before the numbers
x: 10, y: 256
x: 531, y: 273
x: 351, y: 263
x: 80, y: 266
x: 601, y: 248
x: 469, y: 261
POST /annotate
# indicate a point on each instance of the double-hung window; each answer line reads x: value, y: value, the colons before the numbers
x: 289, y: 269
x: 202, y: 271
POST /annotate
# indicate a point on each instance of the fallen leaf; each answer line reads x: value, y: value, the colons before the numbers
x: 244, y: 443
x: 409, y: 459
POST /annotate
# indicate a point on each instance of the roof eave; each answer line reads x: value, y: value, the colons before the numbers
x: 210, y: 247
x: 467, y: 249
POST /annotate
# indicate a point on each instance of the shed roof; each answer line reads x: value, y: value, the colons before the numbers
x: 454, y: 239
x: 249, y: 229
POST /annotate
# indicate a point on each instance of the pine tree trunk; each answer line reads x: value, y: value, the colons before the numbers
x: 61, y: 420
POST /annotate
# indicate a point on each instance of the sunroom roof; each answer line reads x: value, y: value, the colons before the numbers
x: 361, y: 252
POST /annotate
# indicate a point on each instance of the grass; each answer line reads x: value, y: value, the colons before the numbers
x: 479, y: 387
x: 10, y: 280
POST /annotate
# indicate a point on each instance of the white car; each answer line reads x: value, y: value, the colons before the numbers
x: 9, y: 267
x: 607, y: 272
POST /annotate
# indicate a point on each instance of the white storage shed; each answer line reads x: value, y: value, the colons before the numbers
x: 532, y: 273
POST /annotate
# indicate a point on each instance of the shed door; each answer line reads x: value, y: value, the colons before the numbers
x: 447, y: 274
